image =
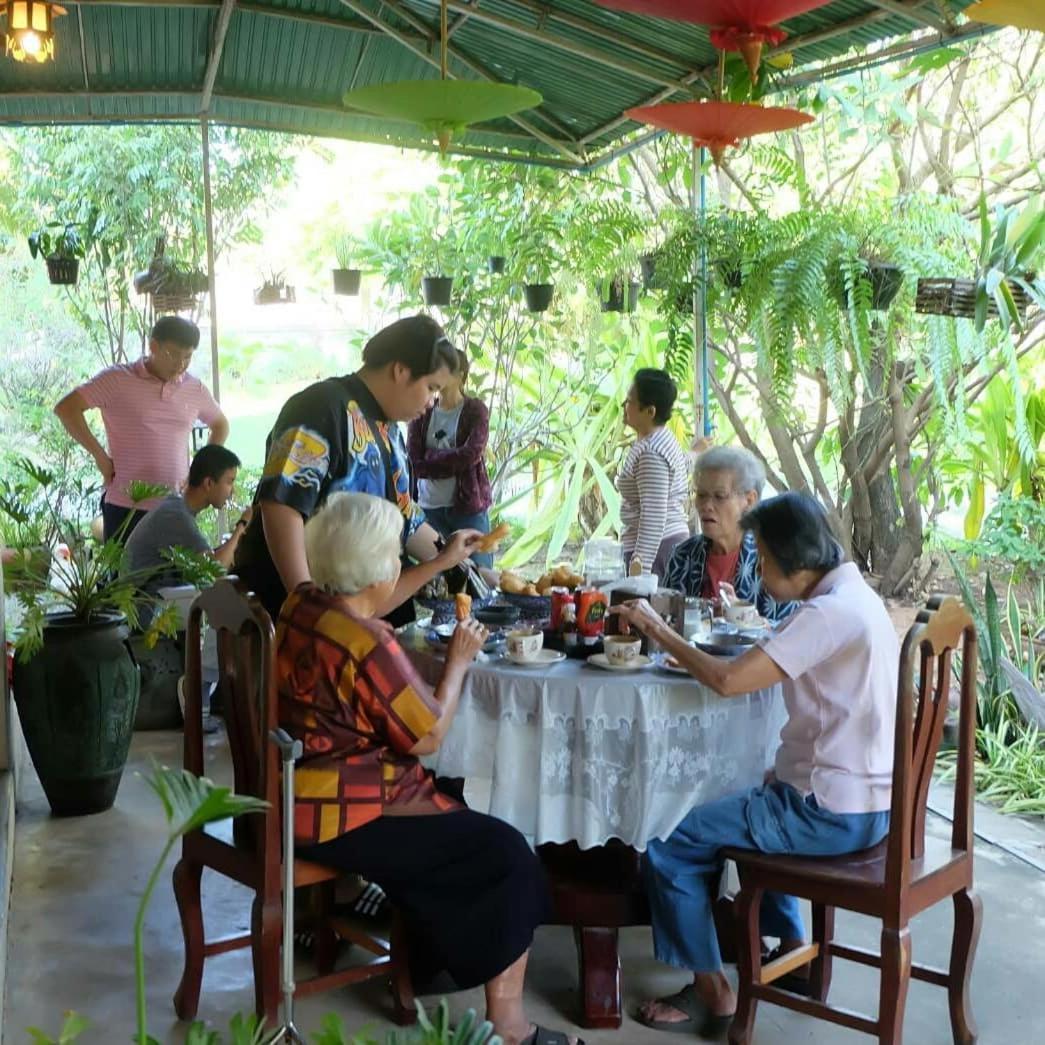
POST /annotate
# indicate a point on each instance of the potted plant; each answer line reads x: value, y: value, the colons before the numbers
x: 346, y: 278
x: 274, y: 290
x: 61, y: 246
x: 862, y: 276
x: 76, y: 682
x: 620, y: 294
x: 173, y: 285
x: 1006, y: 283
x: 495, y: 263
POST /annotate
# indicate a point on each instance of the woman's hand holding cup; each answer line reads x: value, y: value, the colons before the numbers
x: 640, y: 614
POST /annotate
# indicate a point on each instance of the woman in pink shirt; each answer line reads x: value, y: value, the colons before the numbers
x: 836, y: 660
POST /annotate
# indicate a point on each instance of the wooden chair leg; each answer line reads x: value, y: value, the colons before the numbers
x: 404, y: 1009
x: 748, y: 903
x: 266, y: 931
x: 186, y: 881
x: 823, y: 934
x: 323, y: 932
x: 968, y: 914
x: 896, y: 977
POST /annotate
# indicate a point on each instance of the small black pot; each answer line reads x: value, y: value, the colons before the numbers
x: 437, y: 289
x: 886, y: 281
x: 730, y: 273
x: 623, y: 297
x: 495, y: 263
x: 633, y: 296
x: 538, y: 296
x: 63, y: 272
x: 648, y: 267
x: 346, y: 281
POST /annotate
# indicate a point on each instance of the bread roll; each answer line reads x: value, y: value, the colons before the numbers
x: 462, y: 606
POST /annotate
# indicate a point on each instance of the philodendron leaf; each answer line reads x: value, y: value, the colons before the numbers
x: 190, y: 801
x: 199, y: 1034
x: 246, y: 1030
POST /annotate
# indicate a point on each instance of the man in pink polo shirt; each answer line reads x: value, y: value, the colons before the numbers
x: 148, y: 408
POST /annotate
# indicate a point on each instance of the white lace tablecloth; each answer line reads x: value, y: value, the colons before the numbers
x: 574, y: 753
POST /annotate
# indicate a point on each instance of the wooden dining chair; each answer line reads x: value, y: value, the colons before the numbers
x: 248, y: 850
x: 903, y: 876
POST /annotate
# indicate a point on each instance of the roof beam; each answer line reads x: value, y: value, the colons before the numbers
x: 221, y: 29
x: 83, y: 54
x: 573, y: 47
x: 423, y: 54
x: 910, y: 12
x: 471, y: 63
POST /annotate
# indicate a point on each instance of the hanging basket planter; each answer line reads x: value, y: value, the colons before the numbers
x: 957, y: 297
x: 885, y: 283
x: 270, y: 293
x: 346, y: 282
x: 172, y: 287
x: 437, y: 290
x: 621, y: 296
x: 538, y: 296
x: 63, y: 272
x: 495, y: 263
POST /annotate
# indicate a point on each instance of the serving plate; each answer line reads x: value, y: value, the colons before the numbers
x: 600, y: 660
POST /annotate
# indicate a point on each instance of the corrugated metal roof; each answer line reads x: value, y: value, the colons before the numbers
x: 286, y: 64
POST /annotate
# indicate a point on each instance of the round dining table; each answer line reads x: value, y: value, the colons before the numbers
x: 590, y: 764
x: 573, y: 753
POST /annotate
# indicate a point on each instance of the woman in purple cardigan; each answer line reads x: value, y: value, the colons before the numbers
x: 447, y: 448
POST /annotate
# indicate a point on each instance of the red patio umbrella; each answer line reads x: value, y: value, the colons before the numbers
x: 718, y: 125
x: 736, y: 25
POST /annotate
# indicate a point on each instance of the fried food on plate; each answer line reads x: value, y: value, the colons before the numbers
x: 512, y: 583
x: 462, y: 606
x: 493, y: 538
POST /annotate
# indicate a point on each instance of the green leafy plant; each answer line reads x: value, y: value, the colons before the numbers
x: 89, y: 583
x: 57, y: 239
x: 345, y: 250
x: 1010, y: 251
x: 201, y: 571
x: 1011, y: 534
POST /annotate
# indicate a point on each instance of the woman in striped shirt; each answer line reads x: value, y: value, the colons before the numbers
x: 654, y: 481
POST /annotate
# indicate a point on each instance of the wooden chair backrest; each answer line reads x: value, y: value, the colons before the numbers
x: 246, y: 648
x: 944, y: 627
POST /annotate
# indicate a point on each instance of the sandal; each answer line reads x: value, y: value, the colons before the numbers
x: 542, y: 1036
x: 699, y: 1020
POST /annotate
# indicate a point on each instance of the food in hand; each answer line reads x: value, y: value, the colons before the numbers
x: 493, y: 538
x: 462, y: 606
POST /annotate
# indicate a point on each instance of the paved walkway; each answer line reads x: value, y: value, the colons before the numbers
x: 77, y: 883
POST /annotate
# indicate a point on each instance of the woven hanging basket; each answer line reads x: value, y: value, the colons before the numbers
x: 957, y: 297
x: 177, y: 302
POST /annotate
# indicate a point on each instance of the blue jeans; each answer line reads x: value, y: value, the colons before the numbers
x: 681, y: 871
x: 446, y: 521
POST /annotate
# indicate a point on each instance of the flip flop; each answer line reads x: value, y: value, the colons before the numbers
x: 699, y: 1021
x: 543, y: 1036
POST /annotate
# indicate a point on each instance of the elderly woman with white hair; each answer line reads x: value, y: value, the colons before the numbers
x: 468, y: 885
x: 727, y: 482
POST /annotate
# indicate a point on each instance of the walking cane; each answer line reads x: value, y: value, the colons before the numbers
x: 290, y: 749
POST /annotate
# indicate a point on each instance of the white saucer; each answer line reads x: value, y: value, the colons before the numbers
x: 600, y: 660
x: 675, y: 669
x: 543, y: 659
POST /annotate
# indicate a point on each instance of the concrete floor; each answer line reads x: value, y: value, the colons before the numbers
x: 77, y: 883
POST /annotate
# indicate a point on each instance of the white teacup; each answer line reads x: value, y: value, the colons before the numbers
x: 524, y: 644
x: 621, y: 649
x: 742, y: 613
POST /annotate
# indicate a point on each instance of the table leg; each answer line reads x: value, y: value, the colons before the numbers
x: 599, y: 967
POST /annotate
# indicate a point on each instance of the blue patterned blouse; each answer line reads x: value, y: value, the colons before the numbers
x: 689, y: 560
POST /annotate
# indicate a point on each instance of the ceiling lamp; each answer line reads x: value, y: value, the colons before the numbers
x: 444, y: 106
x: 30, y: 33
x: 736, y: 25
x: 1023, y: 14
x: 718, y: 125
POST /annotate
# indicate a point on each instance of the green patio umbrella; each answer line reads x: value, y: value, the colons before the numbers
x: 444, y: 107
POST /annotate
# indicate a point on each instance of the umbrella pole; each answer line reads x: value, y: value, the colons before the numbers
x: 700, y: 318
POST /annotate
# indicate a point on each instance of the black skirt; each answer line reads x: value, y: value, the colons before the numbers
x: 468, y: 886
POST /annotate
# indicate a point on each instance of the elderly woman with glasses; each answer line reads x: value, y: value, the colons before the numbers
x: 836, y: 659
x: 727, y: 482
x: 469, y: 887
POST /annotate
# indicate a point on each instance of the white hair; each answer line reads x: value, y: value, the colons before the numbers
x: 353, y: 541
x: 746, y: 468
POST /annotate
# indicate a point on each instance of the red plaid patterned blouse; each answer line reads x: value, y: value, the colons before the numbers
x: 351, y: 695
